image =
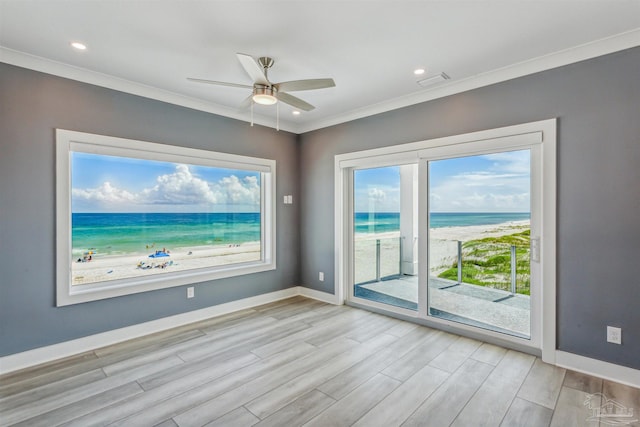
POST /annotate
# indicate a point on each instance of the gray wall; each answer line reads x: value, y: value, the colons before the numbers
x: 597, y: 103
x: 32, y: 105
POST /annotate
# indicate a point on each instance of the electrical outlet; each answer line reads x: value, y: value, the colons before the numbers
x: 190, y: 292
x: 321, y: 276
x: 614, y: 335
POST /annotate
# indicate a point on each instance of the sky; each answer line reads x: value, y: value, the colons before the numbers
x: 486, y: 183
x: 115, y: 184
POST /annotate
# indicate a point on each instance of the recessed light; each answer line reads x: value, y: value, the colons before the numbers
x: 296, y: 113
x: 78, y: 45
x: 418, y: 71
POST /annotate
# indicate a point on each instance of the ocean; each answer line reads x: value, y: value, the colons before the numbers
x: 125, y: 233
x: 382, y: 222
x: 128, y: 233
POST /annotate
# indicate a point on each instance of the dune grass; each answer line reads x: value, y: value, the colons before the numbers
x: 487, y: 262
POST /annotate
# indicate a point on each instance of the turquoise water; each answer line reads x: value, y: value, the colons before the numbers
x: 381, y: 222
x: 124, y: 233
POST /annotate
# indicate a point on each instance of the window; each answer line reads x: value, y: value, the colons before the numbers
x: 134, y: 216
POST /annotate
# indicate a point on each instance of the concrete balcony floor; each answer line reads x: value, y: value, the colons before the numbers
x: 474, y: 305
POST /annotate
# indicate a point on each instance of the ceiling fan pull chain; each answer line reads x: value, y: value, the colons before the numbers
x: 252, y: 113
x: 278, y: 116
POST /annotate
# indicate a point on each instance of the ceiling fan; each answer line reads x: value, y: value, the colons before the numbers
x: 266, y: 93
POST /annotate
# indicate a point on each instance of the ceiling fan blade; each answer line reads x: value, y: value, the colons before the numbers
x: 246, y: 103
x: 212, y: 82
x: 252, y: 68
x: 295, y: 85
x: 294, y: 102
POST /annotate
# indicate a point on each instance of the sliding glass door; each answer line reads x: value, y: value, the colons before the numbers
x: 479, y: 228
x: 449, y: 232
x: 381, y: 215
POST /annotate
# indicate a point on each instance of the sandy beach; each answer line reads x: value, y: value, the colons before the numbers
x: 442, y: 249
x: 443, y: 252
x: 113, y: 267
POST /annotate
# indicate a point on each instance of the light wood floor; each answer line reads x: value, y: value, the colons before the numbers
x: 303, y: 362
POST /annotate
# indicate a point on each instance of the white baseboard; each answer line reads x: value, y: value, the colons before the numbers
x: 49, y: 353
x: 319, y: 295
x: 598, y: 368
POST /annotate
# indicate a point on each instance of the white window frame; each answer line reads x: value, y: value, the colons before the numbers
x: 70, y: 141
x: 541, y: 137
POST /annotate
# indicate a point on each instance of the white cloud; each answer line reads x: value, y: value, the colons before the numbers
x: 180, y: 189
x: 504, y: 186
x: 236, y: 191
x: 377, y: 194
x: 105, y: 194
x: 378, y: 198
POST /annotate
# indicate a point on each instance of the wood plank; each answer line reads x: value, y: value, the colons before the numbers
x: 625, y: 395
x: 283, y: 302
x: 339, y: 326
x: 341, y: 385
x: 291, y: 310
x: 523, y: 413
x: 83, y: 407
x: 28, y: 374
x: 183, y: 398
x: 280, y: 396
x: 114, y: 413
x: 489, y: 353
x: 542, y: 385
x: 402, y: 328
x: 377, y: 325
x: 582, y: 382
x: 40, y: 375
x: 357, y: 403
x: 299, y: 411
x: 417, y: 358
x: 250, y: 390
x: 454, y: 356
x: 71, y: 396
x: 444, y: 405
x: 571, y: 410
x: 394, y: 409
x: 51, y: 389
x: 350, y: 379
x: 160, y: 378
x: 151, y: 342
x: 245, y: 337
x: 492, y: 400
x: 237, y: 418
x: 247, y: 343
x: 322, y: 314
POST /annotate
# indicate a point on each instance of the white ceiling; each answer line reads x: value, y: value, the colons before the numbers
x: 370, y: 48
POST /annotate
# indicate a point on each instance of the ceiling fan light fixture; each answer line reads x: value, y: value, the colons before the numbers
x: 264, y: 95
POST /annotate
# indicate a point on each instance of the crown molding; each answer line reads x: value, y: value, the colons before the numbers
x: 568, y: 56
x: 84, y: 75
